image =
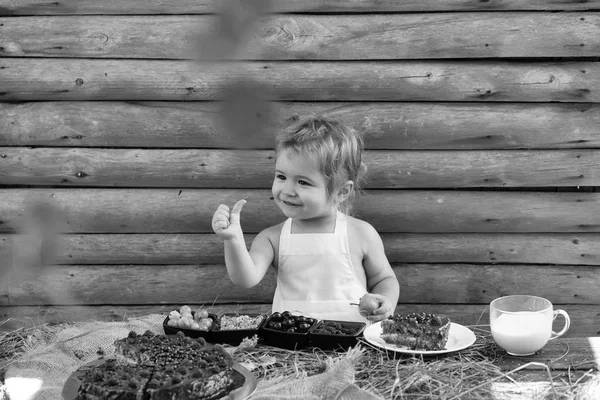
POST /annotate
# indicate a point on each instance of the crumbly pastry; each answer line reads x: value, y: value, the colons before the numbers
x: 159, y: 367
x: 184, y: 383
x: 416, y: 331
x: 235, y: 322
x: 113, y: 380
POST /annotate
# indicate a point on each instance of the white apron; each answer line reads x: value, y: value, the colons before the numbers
x: 315, y: 276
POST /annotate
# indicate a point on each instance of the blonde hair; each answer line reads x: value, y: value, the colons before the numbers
x: 337, y: 147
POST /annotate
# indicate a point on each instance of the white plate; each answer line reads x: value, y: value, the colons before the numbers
x: 459, y: 338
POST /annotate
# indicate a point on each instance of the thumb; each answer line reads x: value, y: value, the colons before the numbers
x: 234, y: 216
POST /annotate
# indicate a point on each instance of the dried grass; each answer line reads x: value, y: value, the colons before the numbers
x: 14, y: 343
x: 388, y: 375
x: 469, y: 374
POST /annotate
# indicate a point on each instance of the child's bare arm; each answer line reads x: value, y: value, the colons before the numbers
x: 381, y: 279
x: 245, y: 268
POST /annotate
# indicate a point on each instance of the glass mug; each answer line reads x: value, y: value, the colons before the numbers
x: 522, y: 324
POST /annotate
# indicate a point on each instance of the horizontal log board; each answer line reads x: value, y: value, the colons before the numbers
x: 147, y: 249
x: 411, y: 126
x: 584, y: 318
x: 255, y: 169
x: 310, y: 37
x: 497, y: 81
x: 191, y: 210
x: 78, y: 7
x: 157, y: 284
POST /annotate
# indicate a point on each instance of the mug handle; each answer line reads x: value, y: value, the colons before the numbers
x: 567, y: 323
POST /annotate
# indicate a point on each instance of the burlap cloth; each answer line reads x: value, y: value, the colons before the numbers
x: 41, y: 373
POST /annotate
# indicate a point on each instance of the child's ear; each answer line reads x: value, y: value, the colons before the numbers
x: 345, y: 191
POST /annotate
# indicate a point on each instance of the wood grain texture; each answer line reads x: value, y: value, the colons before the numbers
x: 584, y: 318
x: 567, y: 353
x: 81, y: 7
x: 172, y: 284
x: 255, y: 169
x: 310, y: 37
x: 448, y: 94
x: 26, y: 79
x: 406, y: 211
x: 133, y: 284
x: 199, y: 249
x: 394, y: 126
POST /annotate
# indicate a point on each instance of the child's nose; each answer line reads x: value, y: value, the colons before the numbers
x: 289, y: 188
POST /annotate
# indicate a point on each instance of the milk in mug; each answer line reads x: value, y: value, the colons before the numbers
x: 522, y: 332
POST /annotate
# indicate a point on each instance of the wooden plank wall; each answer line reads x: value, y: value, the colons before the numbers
x: 481, y: 121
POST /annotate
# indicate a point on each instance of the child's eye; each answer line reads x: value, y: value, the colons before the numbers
x: 280, y: 177
x: 303, y: 183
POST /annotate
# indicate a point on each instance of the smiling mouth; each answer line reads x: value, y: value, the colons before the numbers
x: 289, y: 204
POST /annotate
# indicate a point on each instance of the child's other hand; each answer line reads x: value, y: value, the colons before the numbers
x: 384, y: 309
x: 226, y: 224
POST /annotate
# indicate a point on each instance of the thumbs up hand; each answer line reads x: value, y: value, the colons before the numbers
x: 226, y: 223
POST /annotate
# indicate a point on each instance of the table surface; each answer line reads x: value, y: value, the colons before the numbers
x: 563, y: 362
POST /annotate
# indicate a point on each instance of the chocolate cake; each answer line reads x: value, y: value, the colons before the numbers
x: 159, y: 367
x: 416, y: 331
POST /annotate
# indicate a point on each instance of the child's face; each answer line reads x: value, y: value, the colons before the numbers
x: 299, y: 187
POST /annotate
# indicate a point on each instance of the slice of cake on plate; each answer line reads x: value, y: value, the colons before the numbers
x: 416, y: 331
